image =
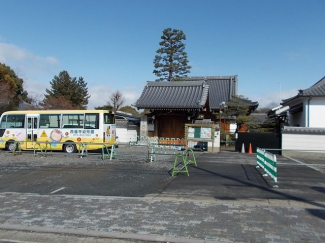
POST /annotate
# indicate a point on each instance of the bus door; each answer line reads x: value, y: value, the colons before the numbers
x: 32, y: 124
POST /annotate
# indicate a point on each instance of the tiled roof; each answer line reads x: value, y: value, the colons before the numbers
x: 221, y: 88
x: 191, y: 93
x: 317, y: 90
x: 304, y: 130
x: 258, y: 118
x: 188, y: 93
x: 173, y: 95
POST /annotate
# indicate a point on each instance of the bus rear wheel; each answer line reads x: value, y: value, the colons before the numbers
x: 70, y: 148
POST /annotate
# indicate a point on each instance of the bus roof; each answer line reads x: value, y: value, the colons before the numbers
x: 56, y: 111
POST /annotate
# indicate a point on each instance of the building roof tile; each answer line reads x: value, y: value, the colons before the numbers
x: 191, y: 93
x: 304, y: 130
x: 316, y: 90
x: 221, y: 88
x: 258, y: 118
x: 173, y: 95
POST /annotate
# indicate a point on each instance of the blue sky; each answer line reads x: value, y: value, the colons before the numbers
x: 276, y: 47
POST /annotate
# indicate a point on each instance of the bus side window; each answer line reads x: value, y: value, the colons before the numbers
x: 15, y: 121
x: 49, y: 121
x: 92, y: 121
x: 73, y: 120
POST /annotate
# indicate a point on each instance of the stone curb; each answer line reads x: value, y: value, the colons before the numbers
x: 192, y: 198
x: 101, y: 234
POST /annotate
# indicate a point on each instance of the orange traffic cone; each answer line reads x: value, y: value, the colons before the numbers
x: 250, y: 149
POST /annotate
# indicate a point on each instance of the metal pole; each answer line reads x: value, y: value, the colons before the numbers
x: 224, y: 126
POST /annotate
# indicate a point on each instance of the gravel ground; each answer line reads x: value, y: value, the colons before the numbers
x: 124, y: 154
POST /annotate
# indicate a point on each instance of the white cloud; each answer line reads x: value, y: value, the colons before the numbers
x: 36, y: 88
x: 52, y: 60
x: 100, y: 95
x: 274, y: 97
x: 131, y: 95
x: 10, y: 52
x: 29, y: 63
x: 36, y: 70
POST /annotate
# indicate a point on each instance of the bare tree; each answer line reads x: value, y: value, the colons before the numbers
x: 116, y: 100
x: 58, y: 103
x: 35, y: 100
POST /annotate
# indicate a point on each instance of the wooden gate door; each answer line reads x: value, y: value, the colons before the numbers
x: 171, y: 126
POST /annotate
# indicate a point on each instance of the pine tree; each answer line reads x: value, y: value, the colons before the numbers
x: 238, y: 107
x: 171, y: 62
x: 67, y: 89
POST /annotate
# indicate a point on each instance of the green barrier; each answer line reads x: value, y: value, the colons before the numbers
x: 188, y: 158
x: 17, y: 148
x: 106, y: 153
x: 44, y: 150
x: 267, y: 162
x: 162, y: 150
x: 152, y: 156
x: 82, y: 150
x: 184, y: 169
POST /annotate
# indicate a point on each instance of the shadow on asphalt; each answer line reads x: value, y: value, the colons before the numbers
x: 273, y: 191
x: 319, y: 213
x: 319, y: 189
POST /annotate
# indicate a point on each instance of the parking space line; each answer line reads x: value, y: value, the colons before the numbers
x: 60, y: 189
x: 302, y: 163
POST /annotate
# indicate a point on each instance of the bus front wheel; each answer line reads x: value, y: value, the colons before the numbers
x: 70, y: 148
x: 10, y: 146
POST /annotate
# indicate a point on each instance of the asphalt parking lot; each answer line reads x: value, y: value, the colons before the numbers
x: 226, y: 175
x: 225, y: 198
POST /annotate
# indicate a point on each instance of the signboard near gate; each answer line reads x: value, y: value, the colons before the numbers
x: 201, y: 133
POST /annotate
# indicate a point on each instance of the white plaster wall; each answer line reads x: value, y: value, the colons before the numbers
x: 303, y: 142
x: 317, y: 112
x: 313, y: 115
x: 126, y: 135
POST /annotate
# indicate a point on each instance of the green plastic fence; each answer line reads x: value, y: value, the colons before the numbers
x: 267, y: 162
